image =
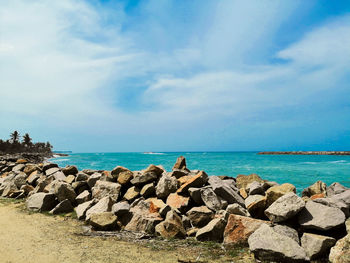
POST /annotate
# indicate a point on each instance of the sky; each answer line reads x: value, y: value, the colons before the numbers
x: 176, y: 75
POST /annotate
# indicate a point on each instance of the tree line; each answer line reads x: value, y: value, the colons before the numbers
x: 15, y: 145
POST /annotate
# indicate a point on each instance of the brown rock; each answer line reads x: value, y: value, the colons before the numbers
x: 180, y: 163
x: 316, y: 196
x: 197, y: 181
x: 103, y: 221
x: 243, y: 193
x: 176, y: 201
x: 132, y: 193
x: 275, y: 192
x: 148, y: 190
x: 242, y: 181
x: 200, y: 216
x: 171, y: 227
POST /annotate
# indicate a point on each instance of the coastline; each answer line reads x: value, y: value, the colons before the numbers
x: 305, y: 153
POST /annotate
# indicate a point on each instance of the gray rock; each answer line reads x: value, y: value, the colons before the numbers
x: 104, y: 188
x: 93, y: 179
x: 270, y: 246
x: 200, y: 216
x: 316, y: 246
x: 195, y: 194
x: 81, y: 209
x: 255, y: 188
x: 64, y: 191
x: 285, y: 207
x: 83, y: 197
x: 103, y: 205
x: 63, y: 207
x: 213, y: 231
x: 287, y: 231
x: 210, y: 199
x: 121, y: 208
x: 103, y: 221
x: 236, y: 209
x: 59, y: 176
x: 166, y: 186
x: 143, y: 178
x: 334, y: 202
x: 335, y: 188
x: 47, y: 166
x: 53, y: 170
x: 255, y: 205
x: 41, y: 202
x: 320, y: 217
x: 81, y: 177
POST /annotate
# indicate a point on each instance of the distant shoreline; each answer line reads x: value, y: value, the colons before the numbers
x: 308, y: 153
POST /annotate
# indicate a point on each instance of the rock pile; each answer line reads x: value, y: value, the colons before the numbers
x: 277, y: 224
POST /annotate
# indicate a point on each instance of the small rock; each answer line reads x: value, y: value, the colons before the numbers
x: 70, y: 170
x: 317, y: 188
x: 255, y: 205
x: 81, y: 177
x: 81, y: 209
x: 121, y: 208
x: 242, y: 181
x: 104, y: 205
x: 275, y: 192
x: 210, y: 199
x: 335, y: 188
x: 195, y: 194
x: 179, y: 202
x: 132, y: 193
x: 64, y: 191
x: 70, y: 179
x: 93, y: 179
x: 255, y: 188
x: 180, y: 163
x: 196, y: 181
x: 104, y: 188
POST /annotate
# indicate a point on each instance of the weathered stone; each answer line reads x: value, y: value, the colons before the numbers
x: 33, y: 177
x: 143, y: 178
x: 243, y: 193
x: 59, y: 176
x: 255, y: 205
x: 166, y: 185
x: 318, y: 187
x: 268, y: 245
x: 171, y: 227
x: 340, y: 253
x: 121, y: 208
x: 157, y: 170
x: 275, y: 192
x: 334, y: 202
x: 125, y: 177
x: 93, y: 179
x: 236, y: 209
x: 317, y: 196
x: 47, y: 166
x: 81, y: 177
x: 81, y: 209
x: 213, y: 231
x: 200, y: 216
x: 70, y: 179
x: 103, y: 221
x: 179, y: 202
x: 177, y: 173
x: 64, y: 191
x: 20, y: 179
x: 30, y: 168
x: 336, y: 188
x: 239, y: 228
x: 41, y: 202
x: 89, y: 171
x: 320, y: 217
x: 155, y: 204
x: 210, y: 199
x: 242, y: 181
x: 195, y: 194
x: 316, y: 246
x: 196, y: 181
x: 21, y: 161
x: 184, y: 179
x: 180, y: 163
x: 27, y: 188
x: 117, y: 170
x: 83, y: 197
x: 53, y: 170
x: 18, y: 168
x: 70, y: 170
x: 132, y: 193
x: 255, y: 188
x: 285, y: 207
x: 287, y: 231
x: 63, y: 207
x: 148, y: 190
x: 104, y: 188
x: 104, y: 205
x: 80, y: 187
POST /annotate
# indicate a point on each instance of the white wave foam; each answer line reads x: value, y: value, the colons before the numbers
x: 340, y: 161
x: 309, y: 163
x: 153, y: 153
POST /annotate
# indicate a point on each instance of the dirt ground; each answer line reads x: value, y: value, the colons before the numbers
x: 34, y: 237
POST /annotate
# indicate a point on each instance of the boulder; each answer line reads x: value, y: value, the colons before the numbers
x: 242, y: 181
x: 30, y: 168
x: 105, y: 188
x: 64, y: 191
x: 333, y: 201
x: 213, y: 231
x: 103, y: 205
x: 255, y: 188
x: 210, y: 199
x: 275, y: 192
x: 335, y: 188
x: 320, y: 217
x: 80, y: 187
x: 166, y: 185
x: 51, y: 171
x: 179, y: 202
x: 70, y: 179
x: 180, y: 163
x: 287, y: 231
x: 33, y: 177
x: 340, y: 253
x: 239, y: 228
x: 200, y: 216
x: 317, y: 188
x: 171, y: 227
x: 268, y: 245
x: 177, y: 173
x: 63, y: 207
x: 18, y: 168
x: 59, y: 176
x: 195, y: 194
x: 125, y: 175
x: 155, y: 204
x: 93, y: 179
x: 148, y: 190
x: 83, y: 197
x: 143, y: 178
x: 70, y: 170
x: 121, y: 208
x: 236, y: 209
x: 81, y: 209
x: 196, y: 181
x: 316, y: 246
x: 47, y: 166
x: 255, y: 205
x: 103, y: 221
x: 285, y: 207
x: 41, y: 202
x: 81, y: 177
x: 132, y: 193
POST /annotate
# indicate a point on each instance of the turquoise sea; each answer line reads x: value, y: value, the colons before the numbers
x: 300, y: 170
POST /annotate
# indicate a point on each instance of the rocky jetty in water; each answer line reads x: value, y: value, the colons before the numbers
x: 276, y: 223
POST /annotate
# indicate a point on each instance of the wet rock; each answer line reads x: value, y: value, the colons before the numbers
x: 63, y: 207
x: 171, y: 227
x: 320, y: 217
x: 148, y: 190
x: 103, y: 205
x: 200, y: 216
x: 166, y: 186
x: 242, y: 181
x: 105, y: 188
x: 179, y: 202
x: 83, y: 197
x: 268, y: 245
x: 275, y: 192
x: 81, y: 209
x: 316, y: 246
x: 236, y: 209
x: 41, y: 202
x: 285, y: 207
x: 213, y: 231
x: 70, y: 170
x: 103, y: 221
x: 210, y: 199
x: 196, y: 181
x: 239, y: 228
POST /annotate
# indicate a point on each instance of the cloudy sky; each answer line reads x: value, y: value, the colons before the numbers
x: 170, y: 75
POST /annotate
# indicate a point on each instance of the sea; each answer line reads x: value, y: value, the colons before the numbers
x: 299, y: 170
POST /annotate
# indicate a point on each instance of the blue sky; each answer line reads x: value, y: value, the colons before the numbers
x: 176, y: 75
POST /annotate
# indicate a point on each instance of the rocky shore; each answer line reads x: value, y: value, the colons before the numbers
x: 276, y: 224
x: 309, y: 153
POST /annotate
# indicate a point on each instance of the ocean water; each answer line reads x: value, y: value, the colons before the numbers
x: 300, y: 170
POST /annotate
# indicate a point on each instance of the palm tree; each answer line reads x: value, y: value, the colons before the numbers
x: 14, y: 137
x: 27, y: 141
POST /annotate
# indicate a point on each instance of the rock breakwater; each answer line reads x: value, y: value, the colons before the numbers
x: 271, y: 219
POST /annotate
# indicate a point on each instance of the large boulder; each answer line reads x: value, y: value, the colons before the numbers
x: 41, y: 202
x: 63, y: 207
x: 210, y: 199
x: 255, y: 205
x: 166, y: 186
x: 340, y: 253
x: 121, y: 208
x: 285, y: 207
x: 64, y: 191
x: 200, y: 216
x: 316, y: 246
x: 239, y: 228
x: 70, y: 170
x: 93, y: 179
x: 103, y: 221
x: 317, y: 188
x: 242, y: 181
x: 255, y: 188
x: 271, y: 246
x: 275, y: 192
x: 179, y: 202
x: 105, y: 188
x: 171, y: 227
x: 333, y: 201
x: 213, y: 231
x: 81, y: 209
x: 320, y: 217
x: 336, y: 188
x: 103, y: 205
x: 196, y: 181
